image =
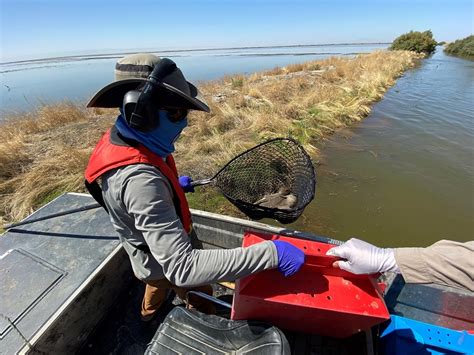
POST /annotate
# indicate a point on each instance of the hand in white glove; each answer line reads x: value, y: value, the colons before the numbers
x: 363, y: 258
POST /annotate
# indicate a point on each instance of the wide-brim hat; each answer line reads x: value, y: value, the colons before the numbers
x: 174, y: 91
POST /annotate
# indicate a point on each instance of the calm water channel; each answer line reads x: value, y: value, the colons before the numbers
x: 402, y: 177
x: 405, y: 175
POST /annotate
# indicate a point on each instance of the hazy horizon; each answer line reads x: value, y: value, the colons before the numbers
x: 118, y: 52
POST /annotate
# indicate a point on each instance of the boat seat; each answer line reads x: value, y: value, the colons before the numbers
x: 190, y: 332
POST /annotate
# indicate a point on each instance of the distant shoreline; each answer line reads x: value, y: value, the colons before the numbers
x: 119, y: 54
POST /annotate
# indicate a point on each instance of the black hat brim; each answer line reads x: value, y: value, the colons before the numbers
x: 112, y: 95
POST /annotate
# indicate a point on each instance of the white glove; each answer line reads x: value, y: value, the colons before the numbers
x: 364, y: 258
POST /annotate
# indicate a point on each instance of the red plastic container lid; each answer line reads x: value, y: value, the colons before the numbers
x: 318, y: 299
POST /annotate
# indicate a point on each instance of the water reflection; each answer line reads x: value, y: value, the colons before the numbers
x: 405, y: 175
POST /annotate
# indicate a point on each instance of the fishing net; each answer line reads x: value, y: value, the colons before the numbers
x: 275, y: 179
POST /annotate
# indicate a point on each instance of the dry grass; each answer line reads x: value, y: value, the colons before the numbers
x: 307, y: 101
x: 44, y: 153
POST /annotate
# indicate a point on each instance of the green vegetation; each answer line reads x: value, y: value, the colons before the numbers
x: 461, y: 48
x: 209, y: 198
x: 237, y: 82
x: 420, y: 42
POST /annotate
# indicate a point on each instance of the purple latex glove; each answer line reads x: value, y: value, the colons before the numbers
x: 290, y: 258
x: 185, y: 183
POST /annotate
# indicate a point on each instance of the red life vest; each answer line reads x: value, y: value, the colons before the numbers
x: 107, y: 156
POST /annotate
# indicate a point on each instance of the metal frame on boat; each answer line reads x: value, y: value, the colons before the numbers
x: 61, y: 276
x: 83, y: 268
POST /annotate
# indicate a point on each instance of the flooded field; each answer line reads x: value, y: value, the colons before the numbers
x: 404, y: 176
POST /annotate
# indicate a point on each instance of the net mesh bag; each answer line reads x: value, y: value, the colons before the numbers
x: 275, y: 179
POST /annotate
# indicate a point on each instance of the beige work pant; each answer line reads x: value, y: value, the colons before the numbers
x: 156, y: 292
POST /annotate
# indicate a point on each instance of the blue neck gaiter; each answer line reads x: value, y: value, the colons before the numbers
x: 160, y: 140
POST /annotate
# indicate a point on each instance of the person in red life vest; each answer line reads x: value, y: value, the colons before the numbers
x: 132, y: 173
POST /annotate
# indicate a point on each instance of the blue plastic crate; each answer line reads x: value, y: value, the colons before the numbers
x: 407, y: 336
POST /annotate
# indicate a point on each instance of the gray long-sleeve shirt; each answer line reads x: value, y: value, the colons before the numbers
x: 445, y: 262
x: 140, y: 204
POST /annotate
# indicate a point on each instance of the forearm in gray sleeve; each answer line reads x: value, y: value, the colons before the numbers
x: 198, y: 267
x: 148, y: 198
x: 185, y: 267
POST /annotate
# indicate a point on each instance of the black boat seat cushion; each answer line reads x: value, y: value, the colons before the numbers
x: 190, y: 332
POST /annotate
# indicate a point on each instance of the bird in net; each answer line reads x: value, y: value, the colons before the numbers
x: 275, y: 179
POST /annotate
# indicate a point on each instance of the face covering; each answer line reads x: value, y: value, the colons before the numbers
x: 160, y: 140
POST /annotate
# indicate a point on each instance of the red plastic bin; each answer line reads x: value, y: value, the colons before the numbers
x: 318, y: 299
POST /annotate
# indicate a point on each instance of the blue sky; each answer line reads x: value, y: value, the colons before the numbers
x: 43, y: 28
